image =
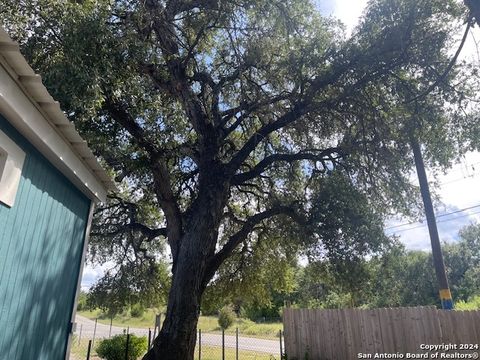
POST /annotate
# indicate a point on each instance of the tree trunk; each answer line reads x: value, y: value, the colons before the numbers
x: 176, y: 340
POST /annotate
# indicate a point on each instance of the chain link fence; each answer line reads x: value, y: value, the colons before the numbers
x: 237, y: 347
x: 88, y: 335
x: 210, y: 346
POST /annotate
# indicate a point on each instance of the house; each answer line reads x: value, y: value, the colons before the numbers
x: 49, y: 183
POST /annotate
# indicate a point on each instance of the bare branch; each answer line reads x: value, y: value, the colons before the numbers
x: 123, y: 228
x: 263, y: 132
x: 324, y: 155
x: 246, y: 109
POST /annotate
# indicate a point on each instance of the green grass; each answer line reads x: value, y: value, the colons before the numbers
x: 206, y: 323
x: 124, y: 319
x: 245, y: 327
x: 78, y: 351
x: 215, y: 353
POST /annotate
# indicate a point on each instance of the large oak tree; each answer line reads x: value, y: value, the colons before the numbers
x: 225, y: 121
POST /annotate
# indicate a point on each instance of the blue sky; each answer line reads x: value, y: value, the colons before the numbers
x: 326, y: 7
x: 459, y: 187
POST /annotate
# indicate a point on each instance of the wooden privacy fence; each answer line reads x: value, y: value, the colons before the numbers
x: 349, y: 333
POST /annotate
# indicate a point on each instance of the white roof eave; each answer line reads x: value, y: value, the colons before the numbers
x: 26, y: 103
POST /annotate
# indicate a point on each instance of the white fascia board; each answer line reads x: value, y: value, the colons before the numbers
x: 19, y: 110
x: 11, y: 164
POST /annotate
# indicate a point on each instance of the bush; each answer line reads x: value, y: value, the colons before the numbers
x: 137, y: 310
x: 114, y: 348
x: 226, y: 317
x: 473, y: 303
x: 260, y: 314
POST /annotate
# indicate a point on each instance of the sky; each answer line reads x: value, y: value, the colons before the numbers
x: 459, y: 188
x: 347, y: 11
x: 459, y: 206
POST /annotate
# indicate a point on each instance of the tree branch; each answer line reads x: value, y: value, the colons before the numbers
x: 161, y: 175
x: 247, y: 108
x: 169, y: 205
x: 322, y: 156
x: 262, y: 133
x: 242, y: 234
x: 178, y: 84
x: 474, y: 7
x: 175, y: 7
x: 120, y: 114
x: 145, y: 230
x: 449, y: 66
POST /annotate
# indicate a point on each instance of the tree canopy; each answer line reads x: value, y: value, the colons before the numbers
x: 397, y: 277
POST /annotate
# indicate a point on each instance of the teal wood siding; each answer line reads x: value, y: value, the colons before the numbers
x: 41, y: 243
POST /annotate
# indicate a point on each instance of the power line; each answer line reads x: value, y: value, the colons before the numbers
x: 423, y: 225
x: 440, y: 215
x: 457, y: 180
x: 464, y: 177
x: 475, y: 172
x: 457, y: 211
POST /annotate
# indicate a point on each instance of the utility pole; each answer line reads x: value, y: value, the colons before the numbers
x: 445, y: 295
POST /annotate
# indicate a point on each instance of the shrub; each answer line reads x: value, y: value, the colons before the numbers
x: 137, y: 310
x: 114, y: 348
x: 473, y: 303
x: 261, y: 314
x: 226, y: 317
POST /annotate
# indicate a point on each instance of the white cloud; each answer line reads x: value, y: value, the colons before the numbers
x: 349, y: 11
x: 91, y: 273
